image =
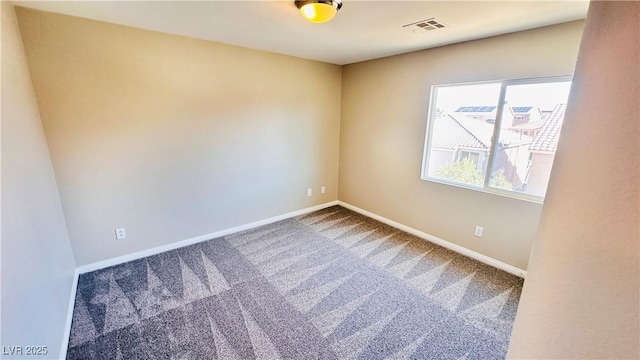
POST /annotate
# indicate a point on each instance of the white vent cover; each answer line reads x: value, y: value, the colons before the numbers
x: 425, y: 25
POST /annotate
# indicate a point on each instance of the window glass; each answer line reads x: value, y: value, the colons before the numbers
x: 522, y: 162
x: 463, y: 123
x: 464, y: 146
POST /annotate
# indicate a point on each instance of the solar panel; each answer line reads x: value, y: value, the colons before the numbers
x: 476, y: 109
x: 521, y: 109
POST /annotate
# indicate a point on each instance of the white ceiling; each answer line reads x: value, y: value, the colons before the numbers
x: 362, y: 30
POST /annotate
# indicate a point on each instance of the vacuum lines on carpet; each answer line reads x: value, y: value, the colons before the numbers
x: 332, y: 284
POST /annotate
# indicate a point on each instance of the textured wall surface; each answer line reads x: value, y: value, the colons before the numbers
x: 580, y: 300
x: 172, y: 137
x: 384, y: 115
x: 37, y: 262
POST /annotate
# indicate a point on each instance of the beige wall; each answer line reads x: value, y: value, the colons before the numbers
x: 172, y: 137
x: 384, y: 112
x: 37, y: 262
x: 580, y: 300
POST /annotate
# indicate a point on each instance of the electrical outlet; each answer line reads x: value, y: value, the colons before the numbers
x: 478, y: 232
x: 323, y: 190
x: 309, y: 192
x: 120, y: 234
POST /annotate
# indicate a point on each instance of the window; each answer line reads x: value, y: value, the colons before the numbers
x: 478, y: 138
x: 473, y: 155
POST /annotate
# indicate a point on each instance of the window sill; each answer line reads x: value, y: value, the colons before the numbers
x: 492, y: 191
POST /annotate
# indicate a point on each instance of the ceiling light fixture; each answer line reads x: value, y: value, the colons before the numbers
x: 318, y: 11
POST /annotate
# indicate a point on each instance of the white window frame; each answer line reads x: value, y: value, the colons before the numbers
x: 424, y: 175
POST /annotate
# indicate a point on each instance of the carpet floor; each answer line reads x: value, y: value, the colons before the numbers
x: 332, y: 284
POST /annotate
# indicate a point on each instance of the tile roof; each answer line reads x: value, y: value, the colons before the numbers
x: 547, y: 138
x: 531, y: 125
x: 450, y: 134
x: 510, y: 138
x: 460, y: 131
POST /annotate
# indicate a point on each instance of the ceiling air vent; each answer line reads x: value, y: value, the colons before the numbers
x: 425, y: 25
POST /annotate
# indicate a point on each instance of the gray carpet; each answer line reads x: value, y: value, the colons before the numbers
x: 332, y: 284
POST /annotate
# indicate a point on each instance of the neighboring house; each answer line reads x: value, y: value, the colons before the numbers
x: 461, y: 137
x: 529, y: 128
x: 526, y: 150
x: 527, y: 120
x: 455, y: 142
x: 523, y: 119
x: 525, y: 114
x: 484, y: 113
x: 543, y: 150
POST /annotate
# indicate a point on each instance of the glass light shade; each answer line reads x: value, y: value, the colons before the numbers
x: 318, y: 12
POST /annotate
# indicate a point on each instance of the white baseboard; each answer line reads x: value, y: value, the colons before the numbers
x: 175, y: 245
x: 153, y: 251
x: 160, y: 249
x: 67, y: 328
x: 457, y: 248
